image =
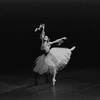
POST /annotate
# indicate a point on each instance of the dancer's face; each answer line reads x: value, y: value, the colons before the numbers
x: 46, y: 38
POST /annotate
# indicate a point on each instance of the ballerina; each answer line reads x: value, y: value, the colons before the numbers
x: 55, y: 58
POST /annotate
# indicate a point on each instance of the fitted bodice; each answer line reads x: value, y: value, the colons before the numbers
x: 46, y: 46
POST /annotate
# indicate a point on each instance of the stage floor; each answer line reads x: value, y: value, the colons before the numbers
x: 70, y: 85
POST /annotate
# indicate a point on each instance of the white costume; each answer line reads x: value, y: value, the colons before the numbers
x: 56, y: 59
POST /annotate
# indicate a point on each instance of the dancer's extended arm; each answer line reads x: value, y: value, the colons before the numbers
x: 42, y: 35
x: 58, y: 40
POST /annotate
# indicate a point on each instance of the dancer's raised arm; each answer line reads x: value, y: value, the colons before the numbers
x: 42, y: 35
x: 58, y: 40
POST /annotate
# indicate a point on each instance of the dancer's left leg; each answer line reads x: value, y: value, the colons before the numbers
x: 54, y: 75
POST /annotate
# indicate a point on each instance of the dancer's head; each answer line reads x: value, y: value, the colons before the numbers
x: 46, y: 38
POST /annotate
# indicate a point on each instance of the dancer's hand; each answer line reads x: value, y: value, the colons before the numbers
x: 41, y: 25
x: 36, y: 29
x: 61, y: 41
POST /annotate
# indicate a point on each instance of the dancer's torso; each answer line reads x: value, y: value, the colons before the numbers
x: 46, y: 47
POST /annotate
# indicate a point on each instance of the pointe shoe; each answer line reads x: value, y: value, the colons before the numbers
x: 54, y: 80
x: 53, y: 83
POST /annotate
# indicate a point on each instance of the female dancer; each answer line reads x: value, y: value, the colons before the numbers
x: 55, y: 58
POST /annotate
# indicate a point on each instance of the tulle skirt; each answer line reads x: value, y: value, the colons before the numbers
x: 55, y: 60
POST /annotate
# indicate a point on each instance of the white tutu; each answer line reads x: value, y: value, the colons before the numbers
x: 56, y: 59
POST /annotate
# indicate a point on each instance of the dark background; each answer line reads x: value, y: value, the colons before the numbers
x: 78, y: 20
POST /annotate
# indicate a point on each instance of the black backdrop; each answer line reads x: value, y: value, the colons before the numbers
x: 20, y: 45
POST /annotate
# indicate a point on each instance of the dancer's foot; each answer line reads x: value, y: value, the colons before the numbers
x: 54, y: 80
x: 53, y: 83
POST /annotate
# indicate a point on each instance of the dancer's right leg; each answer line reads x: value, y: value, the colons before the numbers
x: 54, y: 76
